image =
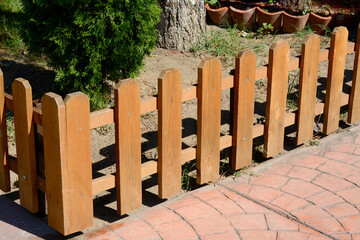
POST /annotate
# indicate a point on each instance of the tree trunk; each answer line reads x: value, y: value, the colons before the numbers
x: 182, y: 23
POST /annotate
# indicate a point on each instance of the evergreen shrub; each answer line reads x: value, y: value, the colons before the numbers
x: 90, y: 41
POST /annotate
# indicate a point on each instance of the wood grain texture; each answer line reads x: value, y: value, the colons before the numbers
x: 309, y: 67
x: 55, y: 157
x: 354, y: 103
x: 78, y: 195
x: 4, y: 161
x: 335, y: 79
x: 170, y: 119
x: 25, y: 144
x: 276, y: 98
x: 208, y: 120
x: 128, y: 146
x: 243, y: 116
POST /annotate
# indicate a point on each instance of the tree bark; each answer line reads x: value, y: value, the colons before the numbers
x: 182, y: 23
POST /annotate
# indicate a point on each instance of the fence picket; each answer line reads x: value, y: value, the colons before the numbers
x: 307, y: 88
x: 4, y: 160
x: 243, y: 115
x: 128, y: 146
x: 169, y: 105
x: 354, y: 103
x: 79, y: 169
x: 335, y: 79
x: 276, y: 98
x: 209, y: 120
x: 25, y: 144
x: 55, y: 157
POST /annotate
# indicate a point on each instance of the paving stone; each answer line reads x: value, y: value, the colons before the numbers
x: 289, y: 202
x: 325, y: 199
x: 221, y: 236
x: 338, y: 169
x: 351, y: 223
x: 270, y: 180
x: 309, y: 213
x: 159, y: 215
x: 254, y: 221
x: 309, y: 161
x: 263, y: 235
x: 263, y: 193
x: 301, y: 188
x: 102, y: 234
x: 342, y: 210
x: 342, y: 148
x: 177, y: 231
x: 342, y: 157
x: 351, y: 195
x: 303, y: 173
x: 198, y: 210
x: 134, y: 230
x: 332, y: 183
x: 205, y: 226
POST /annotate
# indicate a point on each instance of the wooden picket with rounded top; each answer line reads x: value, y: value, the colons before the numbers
x: 335, y: 79
x: 354, y: 102
x: 25, y: 144
x: 208, y: 121
x: 243, y: 117
x: 4, y: 161
x: 169, y: 105
x: 276, y: 98
x: 307, y: 88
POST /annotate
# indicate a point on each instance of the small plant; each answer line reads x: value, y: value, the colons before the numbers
x: 187, y: 181
x: 265, y: 29
x: 215, y: 3
x: 314, y: 142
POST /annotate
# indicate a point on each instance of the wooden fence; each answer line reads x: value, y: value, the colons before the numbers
x: 66, y: 125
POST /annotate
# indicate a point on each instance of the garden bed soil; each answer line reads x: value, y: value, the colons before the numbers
x: 102, y: 139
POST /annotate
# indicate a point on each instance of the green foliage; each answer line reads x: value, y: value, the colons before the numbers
x: 265, y: 29
x: 90, y: 41
x: 10, y: 13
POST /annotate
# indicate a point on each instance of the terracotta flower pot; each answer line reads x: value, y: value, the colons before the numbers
x: 269, y: 18
x: 293, y: 23
x: 219, y: 16
x: 243, y: 18
x: 319, y: 23
x: 345, y: 20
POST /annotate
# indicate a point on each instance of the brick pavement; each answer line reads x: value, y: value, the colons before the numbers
x: 310, y: 193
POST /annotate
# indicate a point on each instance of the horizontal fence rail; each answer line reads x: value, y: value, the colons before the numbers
x: 64, y: 127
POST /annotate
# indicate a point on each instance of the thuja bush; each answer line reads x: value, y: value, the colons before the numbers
x: 91, y: 41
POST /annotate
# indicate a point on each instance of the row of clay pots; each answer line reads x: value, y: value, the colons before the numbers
x: 289, y: 23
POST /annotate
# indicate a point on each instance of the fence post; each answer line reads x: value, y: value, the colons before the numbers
x: 354, y: 103
x: 25, y: 144
x: 335, y: 79
x: 128, y: 146
x: 244, y: 97
x: 67, y: 162
x: 307, y: 87
x: 276, y: 98
x: 209, y: 120
x: 169, y: 107
x: 4, y: 161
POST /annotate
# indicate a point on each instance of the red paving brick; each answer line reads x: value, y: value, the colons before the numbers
x: 338, y: 169
x: 332, y: 183
x: 303, y: 173
x: 301, y: 188
x: 289, y: 202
